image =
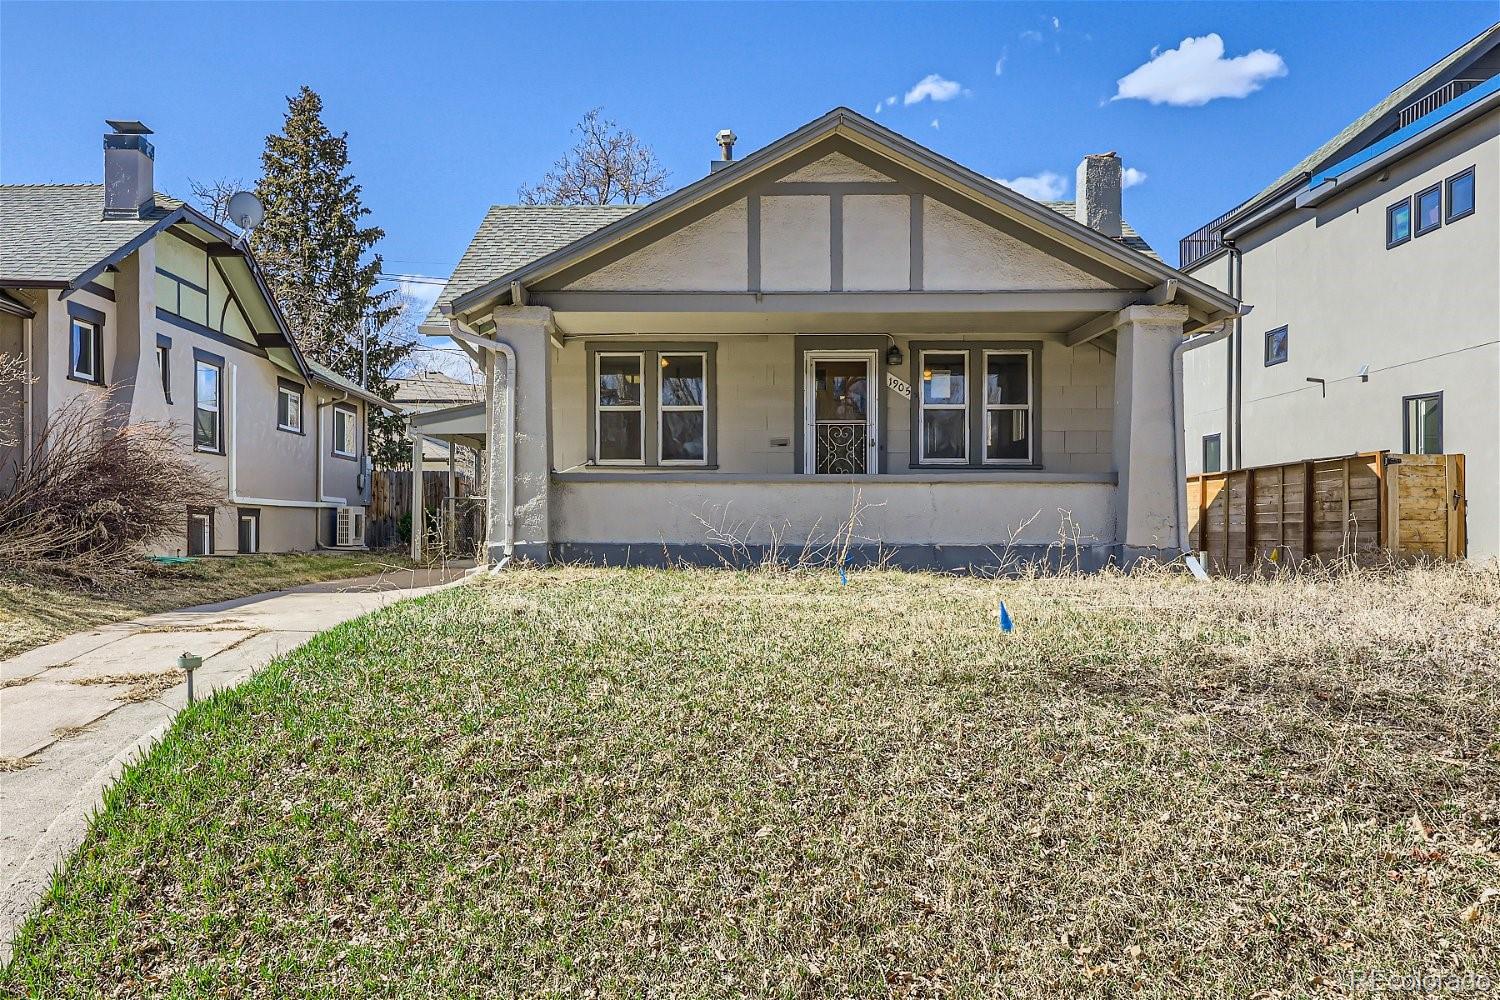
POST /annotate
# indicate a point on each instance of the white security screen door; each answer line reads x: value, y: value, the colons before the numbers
x: 839, y: 413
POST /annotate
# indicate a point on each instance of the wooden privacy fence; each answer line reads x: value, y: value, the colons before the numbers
x: 390, y: 502
x: 1327, y: 508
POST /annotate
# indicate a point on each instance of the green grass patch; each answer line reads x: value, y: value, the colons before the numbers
x: 36, y: 610
x: 695, y: 784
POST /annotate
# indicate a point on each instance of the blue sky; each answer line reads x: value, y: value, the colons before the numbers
x: 450, y: 107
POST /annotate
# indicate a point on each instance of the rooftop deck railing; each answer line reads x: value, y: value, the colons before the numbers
x: 1452, y: 90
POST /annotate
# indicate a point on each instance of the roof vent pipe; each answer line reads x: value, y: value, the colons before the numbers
x: 129, y: 165
x: 1097, y: 204
x: 726, y: 140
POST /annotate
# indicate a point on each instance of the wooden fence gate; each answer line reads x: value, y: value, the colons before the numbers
x: 1356, y: 505
x: 390, y: 503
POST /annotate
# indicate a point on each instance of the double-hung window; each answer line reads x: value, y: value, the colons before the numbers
x: 944, y: 412
x: 1007, y: 407
x: 652, y: 406
x: 85, y: 344
x: 344, y: 419
x: 208, y: 418
x: 288, y: 406
x: 975, y: 404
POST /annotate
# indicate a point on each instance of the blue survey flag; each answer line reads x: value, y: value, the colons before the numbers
x: 1003, y: 613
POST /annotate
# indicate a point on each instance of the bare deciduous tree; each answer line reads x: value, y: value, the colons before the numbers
x: 213, y: 196
x: 608, y: 164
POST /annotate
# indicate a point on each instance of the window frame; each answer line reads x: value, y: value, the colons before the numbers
x: 978, y: 420
x: 1218, y: 442
x: 986, y: 407
x: 1286, y: 346
x: 651, y: 407
x: 663, y: 408
x: 919, y: 394
x: 243, y: 514
x: 288, y: 387
x: 1390, y: 210
x: 1416, y: 211
x: 164, y: 366
x: 1406, y: 428
x: 91, y: 321
x: 344, y: 409
x: 207, y: 514
x: 203, y: 359
x: 1448, y: 215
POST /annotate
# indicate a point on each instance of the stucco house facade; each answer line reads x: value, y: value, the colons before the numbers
x: 113, y: 291
x: 841, y: 320
x: 1372, y: 270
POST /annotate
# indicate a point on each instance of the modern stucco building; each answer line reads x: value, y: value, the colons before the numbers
x: 841, y: 314
x: 115, y: 289
x: 1373, y: 268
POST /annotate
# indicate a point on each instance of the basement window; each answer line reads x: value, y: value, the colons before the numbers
x: 249, y: 530
x: 1398, y: 223
x: 200, y: 532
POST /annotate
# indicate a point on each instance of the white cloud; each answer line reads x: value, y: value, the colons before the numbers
x: 1045, y: 186
x: 1031, y: 36
x: 418, y: 291
x: 1131, y: 177
x: 889, y: 102
x: 934, y: 123
x: 1196, y: 72
x: 1000, y: 63
x: 1056, y: 24
x: 933, y: 87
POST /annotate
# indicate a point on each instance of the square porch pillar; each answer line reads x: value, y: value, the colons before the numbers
x: 528, y: 331
x: 1146, y: 500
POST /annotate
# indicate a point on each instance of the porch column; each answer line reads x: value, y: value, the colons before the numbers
x: 418, y: 505
x: 528, y: 331
x: 1146, y: 500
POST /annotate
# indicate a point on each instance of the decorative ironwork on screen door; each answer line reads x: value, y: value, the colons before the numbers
x: 841, y: 419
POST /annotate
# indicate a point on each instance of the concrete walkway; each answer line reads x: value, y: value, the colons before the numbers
x: 74, y: 713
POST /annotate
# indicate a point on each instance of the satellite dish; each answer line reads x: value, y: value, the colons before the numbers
x: 245, y: 210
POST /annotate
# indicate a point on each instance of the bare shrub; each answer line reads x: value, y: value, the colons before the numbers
x: 12, y: 383
x: 94, y: 489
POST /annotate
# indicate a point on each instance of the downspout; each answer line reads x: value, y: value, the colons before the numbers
x: 1234, y: 382
x: 1209, y: 333
x: 463, y: 333
x: 28, y: 398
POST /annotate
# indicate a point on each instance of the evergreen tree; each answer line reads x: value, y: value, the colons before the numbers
x: 322, y: 265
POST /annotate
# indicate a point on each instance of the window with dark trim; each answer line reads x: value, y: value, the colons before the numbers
x: 86, y: 353
x: 652, y: 405
x: 288, y: 406
x: 1276, y: 346
x: 208, y: 411
x: 249, y: 530
x: 164, y: 365
x: 1460, y: 195
x: 1429, y: 210
x: 974, y: 405
x: 200, y: 531
x: 1213, y: 452
x: 1422, y: 424
x: 345, y: 425
x: 1398, y: 223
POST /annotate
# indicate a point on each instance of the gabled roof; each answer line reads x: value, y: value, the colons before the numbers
x: 854, y: 127
x: 434, y: 387
x: 322, y: 373
x: 512, y: 236
x: 53, y: 233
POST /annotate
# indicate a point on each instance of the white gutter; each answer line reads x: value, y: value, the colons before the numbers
x: 464, y: 334
x: 1209, y: 333
x: 231, y: 454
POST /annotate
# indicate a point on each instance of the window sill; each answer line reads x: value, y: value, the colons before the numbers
x: 338, y: 454
x: 207, y: 451
x: 291, y: 430
x: 85, y: 381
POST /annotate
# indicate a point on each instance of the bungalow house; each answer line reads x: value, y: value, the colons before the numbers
x: 843, y: 321
x: 1372, y: 268
x: 115, y: 289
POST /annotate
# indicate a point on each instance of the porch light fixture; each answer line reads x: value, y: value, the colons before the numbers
x: 893, y: 356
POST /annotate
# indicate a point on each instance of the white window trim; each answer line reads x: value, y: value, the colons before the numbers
x: 662, y: 408
x: 1029, y: 406
x: 294, y: 412
x: 218, y: 446
x: 91, y: 331
x: 600, y: 408
x: 353, y: 418
x: 207, y: 521
x: 923, y: 406
x: 254, y: 533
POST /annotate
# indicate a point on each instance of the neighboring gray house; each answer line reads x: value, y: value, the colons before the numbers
x: 843, y: 314
x: 431, y: 389
x: 1372, y: 269
x: 114, y: 288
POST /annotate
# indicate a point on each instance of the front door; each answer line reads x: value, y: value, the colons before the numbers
x: 839, y: 403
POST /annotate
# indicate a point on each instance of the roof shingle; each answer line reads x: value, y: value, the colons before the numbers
x: 55, y: 232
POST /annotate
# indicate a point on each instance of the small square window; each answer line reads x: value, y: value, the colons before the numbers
x: 288, y: 409
x: 1429, y: 210
x: 1422, y: 424
x: 1460, y: 195
x: 1276, y: 346
x: 1212, y: 453
x: 1398, y: 224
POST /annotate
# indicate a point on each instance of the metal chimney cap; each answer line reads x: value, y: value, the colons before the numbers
x: 726, y: 135
x: 128, y: 127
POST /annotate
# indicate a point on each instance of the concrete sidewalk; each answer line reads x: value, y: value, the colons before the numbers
x: 74, y: 713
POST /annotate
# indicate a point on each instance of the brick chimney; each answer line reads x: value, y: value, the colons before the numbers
x: 129, y: 168
x: 1097, y: 203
